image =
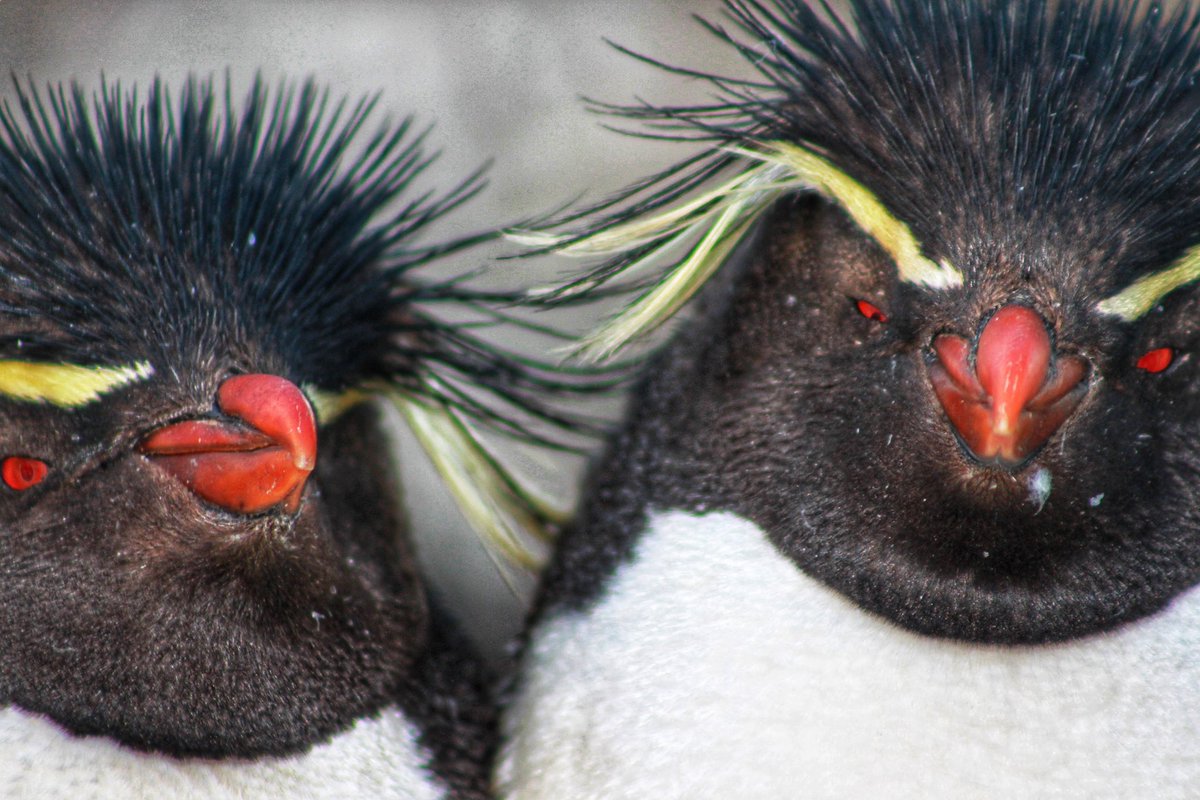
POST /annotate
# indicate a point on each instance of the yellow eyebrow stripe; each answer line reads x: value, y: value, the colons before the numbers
x: 691, y: 241
x: 864, y: 208
x: 1136, y: 300
x: 329, y: 405
x: 65, y: 385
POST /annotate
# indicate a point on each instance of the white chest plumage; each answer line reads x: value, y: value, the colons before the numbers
x: 377, y: 758
x: 713, y: 668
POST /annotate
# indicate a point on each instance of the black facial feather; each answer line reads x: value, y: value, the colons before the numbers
x: 1048, y: 152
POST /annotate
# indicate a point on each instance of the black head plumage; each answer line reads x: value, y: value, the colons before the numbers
x: 978, y: 120
x: 993, y: 120
x: 175, y: 232
x: 988, y: 128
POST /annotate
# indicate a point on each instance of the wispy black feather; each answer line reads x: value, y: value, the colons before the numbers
x: 146, y: 229
x: 1073, y: 126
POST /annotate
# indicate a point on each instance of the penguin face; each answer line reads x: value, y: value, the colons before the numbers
x: 137, y: 608
x: 882, y: 485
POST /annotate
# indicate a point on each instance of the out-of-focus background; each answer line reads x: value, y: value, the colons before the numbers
x: 500, y: 80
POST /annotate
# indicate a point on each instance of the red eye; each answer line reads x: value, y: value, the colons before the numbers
x: 20, y: 473
x: 871, y: 312
x: 1156, y: 360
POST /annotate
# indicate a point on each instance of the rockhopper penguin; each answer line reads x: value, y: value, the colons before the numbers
x: 205, y: 585
x: 909, y: 507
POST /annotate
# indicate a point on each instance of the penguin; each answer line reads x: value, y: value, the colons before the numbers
x: 905, y: 503
x: 207, y: 587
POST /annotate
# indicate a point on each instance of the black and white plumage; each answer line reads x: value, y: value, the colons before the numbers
x: 181, y: 283
x: 907, y: 507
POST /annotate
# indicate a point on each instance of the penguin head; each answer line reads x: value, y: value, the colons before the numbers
x: 202, y: 547
x: 952, y: 373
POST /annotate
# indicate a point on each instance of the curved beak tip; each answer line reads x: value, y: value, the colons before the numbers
x: 257, y: 460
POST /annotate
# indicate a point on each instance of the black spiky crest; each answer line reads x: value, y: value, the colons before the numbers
x: 182, y: 239
x: 118, y: 212
x: 136, y: 229
x: 1074, y: 126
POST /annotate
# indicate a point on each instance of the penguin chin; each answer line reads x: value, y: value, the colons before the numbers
x: 1031, y: 561
x: 1021, y: 493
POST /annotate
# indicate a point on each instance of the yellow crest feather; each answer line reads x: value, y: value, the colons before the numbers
x: 713, y: 223
x: 1138, y: 298
x: 716, y: 222
x: 328, y: 406
x: 502, y: 509
x: 65, y: 385
x: 867, y: 212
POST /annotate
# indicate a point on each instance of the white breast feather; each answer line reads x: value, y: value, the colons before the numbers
x: 714, y: 668
x: 376, y: 758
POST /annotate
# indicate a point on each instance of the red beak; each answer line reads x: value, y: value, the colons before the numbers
x: 255, y: 461
x: 1016, y: 394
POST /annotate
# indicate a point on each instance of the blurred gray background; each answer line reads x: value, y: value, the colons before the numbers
x: 501, y: 80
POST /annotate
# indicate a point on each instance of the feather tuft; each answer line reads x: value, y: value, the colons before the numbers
x: 502, y: 508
